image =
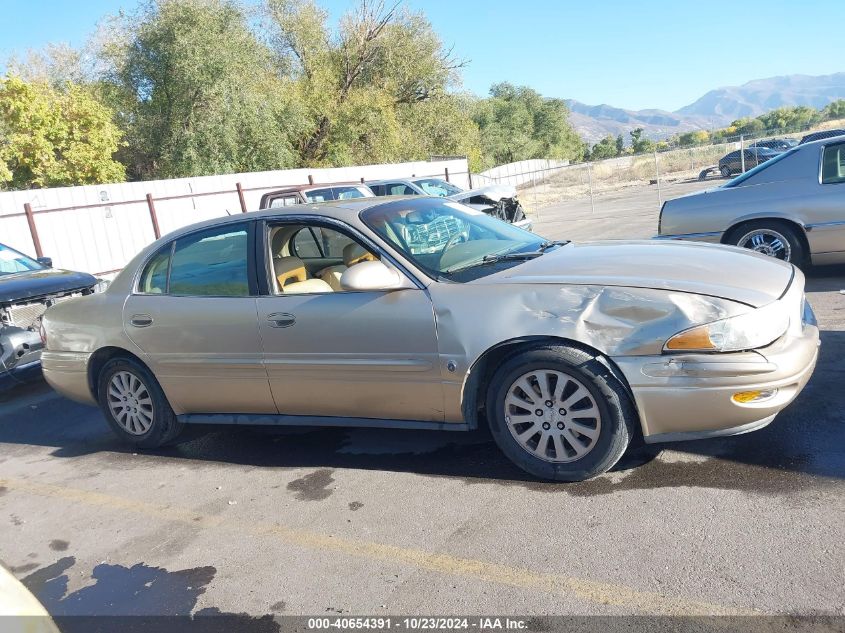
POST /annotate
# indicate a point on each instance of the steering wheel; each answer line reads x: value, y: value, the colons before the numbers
x: 457, y: 238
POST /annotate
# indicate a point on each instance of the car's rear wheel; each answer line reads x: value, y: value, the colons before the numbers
x: 770, y: 237
x: 558, y: 413
x: 725, y: 171
x: 135, y: 405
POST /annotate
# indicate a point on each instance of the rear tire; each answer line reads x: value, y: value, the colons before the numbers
x: 770, y: 237
x: 586, y: 422
x: 135, y: 405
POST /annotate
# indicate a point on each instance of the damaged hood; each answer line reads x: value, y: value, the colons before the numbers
x: 38, y: 283
x: 706, y: 269
x: 494, y: 192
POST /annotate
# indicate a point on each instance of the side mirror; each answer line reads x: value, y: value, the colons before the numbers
x: 45, y: 261
x: 369, y: 276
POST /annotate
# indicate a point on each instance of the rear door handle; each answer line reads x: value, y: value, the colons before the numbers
x: 281, y: 319
x: 141, y: 320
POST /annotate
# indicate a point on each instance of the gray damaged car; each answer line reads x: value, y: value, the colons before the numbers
x: 498, y: 200
x: 791, y: 207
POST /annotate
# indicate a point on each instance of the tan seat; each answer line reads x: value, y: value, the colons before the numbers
x: 292, y: 277
x: 353, y: 253
x: 307, y: 286
x: 289, y: 270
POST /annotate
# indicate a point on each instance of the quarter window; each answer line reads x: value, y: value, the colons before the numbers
x: 154, y: 277
x: 211, y: 263
x: 833, y: 164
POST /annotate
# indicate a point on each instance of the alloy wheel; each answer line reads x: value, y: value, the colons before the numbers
x: 768, y: 242
x: 552, y: 415
x: 130, y: 403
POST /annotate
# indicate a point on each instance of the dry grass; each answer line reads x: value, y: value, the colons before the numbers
x: 614, y: 174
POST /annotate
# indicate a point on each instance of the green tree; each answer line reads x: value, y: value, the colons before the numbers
x: 605, y: 148
x: 199, y: 94
x: 517, y: 123
x: 789, y: 119
x: 834, y: 110
x: 620, y: 145
x: 51, y: 137
x: 362, y: 84
x: 639, y: 144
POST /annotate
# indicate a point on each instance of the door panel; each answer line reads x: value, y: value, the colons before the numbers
x: 205, y: 351
x: 353, y: 354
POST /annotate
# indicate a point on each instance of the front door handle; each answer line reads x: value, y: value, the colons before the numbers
x: 281, y: 319
x: 141, y: 320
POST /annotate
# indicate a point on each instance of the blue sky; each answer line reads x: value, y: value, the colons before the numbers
x: 637, y: 54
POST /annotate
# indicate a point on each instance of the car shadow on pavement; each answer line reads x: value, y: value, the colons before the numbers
x: 805, y: 445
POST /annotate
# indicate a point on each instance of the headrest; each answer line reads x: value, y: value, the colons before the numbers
x: 288, y: 270
x: 277, y: 242
x: 354, y: 254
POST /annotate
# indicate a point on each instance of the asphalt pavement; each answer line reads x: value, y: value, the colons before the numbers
x: 330, y: 521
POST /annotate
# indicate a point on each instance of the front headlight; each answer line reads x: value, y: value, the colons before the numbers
x: 751, y: 330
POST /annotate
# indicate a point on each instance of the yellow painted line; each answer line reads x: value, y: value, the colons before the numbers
x: 555, y: 584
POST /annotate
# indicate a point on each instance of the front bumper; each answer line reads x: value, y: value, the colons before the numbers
x: 690, y: 396
x: 20, y: 354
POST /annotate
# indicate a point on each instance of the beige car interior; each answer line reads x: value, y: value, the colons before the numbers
x: 292, y: 274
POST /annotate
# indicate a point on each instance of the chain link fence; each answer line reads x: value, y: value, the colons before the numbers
x: 651, y: 177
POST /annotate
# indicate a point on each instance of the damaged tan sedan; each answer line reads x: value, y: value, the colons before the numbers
x: 344, y: 314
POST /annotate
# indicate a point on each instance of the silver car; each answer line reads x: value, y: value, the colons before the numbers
x: 791, y: 207
x: 333, y: 315
x: 498, y: 200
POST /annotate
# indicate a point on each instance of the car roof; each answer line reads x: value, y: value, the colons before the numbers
x: 822, y: 136
x: 385, y: 181
x: 296, y: 188
x: 336, y: 209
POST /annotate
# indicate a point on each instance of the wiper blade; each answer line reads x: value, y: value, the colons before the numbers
x: 547, y: 245
x: 487, y: 259
x: 493, y: 258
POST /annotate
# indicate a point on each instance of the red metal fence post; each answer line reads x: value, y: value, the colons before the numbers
x: 153, y: 217
x: 33, y: 231
x: 446, y: 169
x: 310, y: 179
x: 241, y: 196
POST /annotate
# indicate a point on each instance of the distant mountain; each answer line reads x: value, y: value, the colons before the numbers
x: 716, y: 108
x: 595, y: 122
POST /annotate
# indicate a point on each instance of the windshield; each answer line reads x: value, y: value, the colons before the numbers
x: 437, y: 187
x: 450, y: 240
x: 756, y: 170
x: 12, y: 262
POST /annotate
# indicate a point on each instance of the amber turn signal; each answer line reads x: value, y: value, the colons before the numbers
x: 695, y: 339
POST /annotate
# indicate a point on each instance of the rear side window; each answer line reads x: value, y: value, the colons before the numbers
x: 318, y: 195
x: 400, y: 189
x: 345, y: 193
x: 378, y: 190
x: 211, y: 263
x: 285, y: 201
x: 833, y: 164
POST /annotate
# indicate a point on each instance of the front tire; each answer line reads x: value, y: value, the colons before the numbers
x: 725, y: 171
x: 559, y: 414
x: 135, y: 405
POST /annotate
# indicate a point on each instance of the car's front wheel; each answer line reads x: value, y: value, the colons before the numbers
x: 558, y: 413
x: 725, y: 171
x: 135, y: 405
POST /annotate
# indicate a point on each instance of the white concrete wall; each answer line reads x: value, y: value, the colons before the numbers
x: 519, y: 173
x: 104, y: 237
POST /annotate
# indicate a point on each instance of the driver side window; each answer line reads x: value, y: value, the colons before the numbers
x: 312, y: 259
